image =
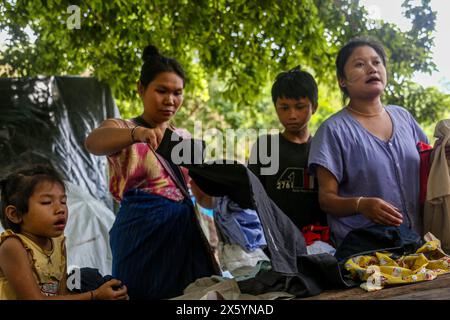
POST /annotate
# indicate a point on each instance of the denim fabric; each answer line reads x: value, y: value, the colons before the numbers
x: 241, y: 226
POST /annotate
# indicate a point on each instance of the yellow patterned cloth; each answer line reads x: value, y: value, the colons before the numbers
x: 381, y: 270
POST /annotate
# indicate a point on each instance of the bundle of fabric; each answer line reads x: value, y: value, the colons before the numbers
x: 383, y: 268
x: 317, y: 239
x: 218, y: 288
x: 436, y: 217
x: 230, y: 178
x: 240, y: 226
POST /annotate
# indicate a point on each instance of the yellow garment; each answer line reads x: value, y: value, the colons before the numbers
x: 48, y: 268
x: 380, y: 270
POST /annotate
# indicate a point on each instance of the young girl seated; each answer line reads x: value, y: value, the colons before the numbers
x: 32, y: 250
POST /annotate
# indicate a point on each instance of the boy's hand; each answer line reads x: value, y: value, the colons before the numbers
x: 111, y: 290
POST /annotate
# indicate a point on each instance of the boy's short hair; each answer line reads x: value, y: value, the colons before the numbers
x: 18, y: 187
x: 295, y: 84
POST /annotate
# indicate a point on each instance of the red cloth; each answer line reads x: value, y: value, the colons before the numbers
x: 315, y: 232
x: 425, y: 164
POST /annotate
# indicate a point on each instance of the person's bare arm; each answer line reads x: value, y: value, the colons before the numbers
x: 109, y: 138
x: 16, y: 266
x: 375, y: 209
x: 202, y: 198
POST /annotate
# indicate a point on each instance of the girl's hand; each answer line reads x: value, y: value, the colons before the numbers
x: 380, y: 211
x: 150, y: 136
x: 107, y: 292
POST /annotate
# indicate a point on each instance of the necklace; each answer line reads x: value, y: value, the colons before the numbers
x: 368, y: 115
x: 49, y: 257
x: 47, y: 253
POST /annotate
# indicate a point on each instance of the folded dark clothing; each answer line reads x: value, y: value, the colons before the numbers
x: 299, y: 285
x: 326, y: 270
x: 90, y: 279
x: 398, y: 240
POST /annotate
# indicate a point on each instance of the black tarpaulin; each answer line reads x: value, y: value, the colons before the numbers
x: 46, y: 119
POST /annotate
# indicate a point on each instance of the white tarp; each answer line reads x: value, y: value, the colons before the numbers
x: 87, y: 231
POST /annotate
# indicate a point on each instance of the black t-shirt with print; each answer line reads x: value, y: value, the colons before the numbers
x: 291, y: 187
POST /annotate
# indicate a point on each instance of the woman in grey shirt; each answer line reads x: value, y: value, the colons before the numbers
x: 365, y: 156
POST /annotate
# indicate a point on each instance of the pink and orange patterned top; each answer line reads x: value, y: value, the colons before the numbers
x: 136, y: 167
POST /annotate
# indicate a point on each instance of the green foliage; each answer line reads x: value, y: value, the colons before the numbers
x: 425, y: 104
x: 231, y: 50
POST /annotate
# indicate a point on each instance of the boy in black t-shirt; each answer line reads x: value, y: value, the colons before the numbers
x: 295, y: 95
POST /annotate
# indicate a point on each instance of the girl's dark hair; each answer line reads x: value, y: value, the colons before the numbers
x: 347, y: 50
x: 155, y: 63
x: 19, y: 186
x: 295, y: 84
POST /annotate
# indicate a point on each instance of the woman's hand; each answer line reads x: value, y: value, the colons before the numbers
x: 380, y: 211
x: 150, y: 136
x: 107, y: 292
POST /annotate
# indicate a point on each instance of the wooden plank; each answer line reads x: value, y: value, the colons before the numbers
x: 436, y: 287
x: 433, y: 294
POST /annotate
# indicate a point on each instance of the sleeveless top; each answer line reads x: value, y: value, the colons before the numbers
x: 48, y: 268
x: 136, y: 167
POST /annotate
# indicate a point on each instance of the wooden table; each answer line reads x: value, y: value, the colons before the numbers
x: 437, y: 289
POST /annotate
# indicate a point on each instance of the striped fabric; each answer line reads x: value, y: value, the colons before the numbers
x: 157, y: 246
